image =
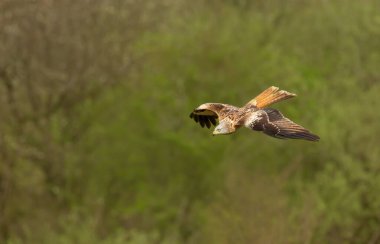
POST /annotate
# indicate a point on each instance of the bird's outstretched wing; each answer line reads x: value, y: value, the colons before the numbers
x: 205, y: 119
x: 269, y: 96
x: 273, y: 123
x: 206, y: 116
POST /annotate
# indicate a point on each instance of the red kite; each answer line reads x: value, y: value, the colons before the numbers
x: 254, y: 115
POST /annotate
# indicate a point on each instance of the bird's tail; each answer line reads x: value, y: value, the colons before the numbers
x: 269, y: 96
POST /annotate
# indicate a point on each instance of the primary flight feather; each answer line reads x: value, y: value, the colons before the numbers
x: 255, y: 115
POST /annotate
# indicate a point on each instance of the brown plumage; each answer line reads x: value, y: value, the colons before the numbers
x: 254, y: 115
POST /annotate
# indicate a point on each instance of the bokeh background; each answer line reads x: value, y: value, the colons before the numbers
x: 96, y: 145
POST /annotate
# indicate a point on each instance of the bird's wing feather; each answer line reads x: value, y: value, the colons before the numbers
x: 270, y: 96
x: 206, y: 117
x: 273, y: 123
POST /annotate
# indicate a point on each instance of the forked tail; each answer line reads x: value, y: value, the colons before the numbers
x: 269, y: 96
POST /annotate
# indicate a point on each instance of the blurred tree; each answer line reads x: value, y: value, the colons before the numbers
x: 55, y: 58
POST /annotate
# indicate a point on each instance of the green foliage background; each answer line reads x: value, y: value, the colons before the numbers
x: 96, y: 145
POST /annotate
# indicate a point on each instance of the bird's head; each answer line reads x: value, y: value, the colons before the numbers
x: 222, y: 129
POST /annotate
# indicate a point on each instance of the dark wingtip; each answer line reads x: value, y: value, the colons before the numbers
x: 213, y: 121
x: 316, y: 138
x: 305, y: 135
x: 208, y: 123
x: 202, y: 122
x: 310, y: 137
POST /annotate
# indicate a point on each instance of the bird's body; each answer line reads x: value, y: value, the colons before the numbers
x: 255, y: 115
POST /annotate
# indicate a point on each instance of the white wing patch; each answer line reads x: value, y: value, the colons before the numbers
x: 253, y: 119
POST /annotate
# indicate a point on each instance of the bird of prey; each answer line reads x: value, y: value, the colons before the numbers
x: 255, y: 115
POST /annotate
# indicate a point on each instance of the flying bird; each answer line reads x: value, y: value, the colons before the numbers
x: 254, y: 115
